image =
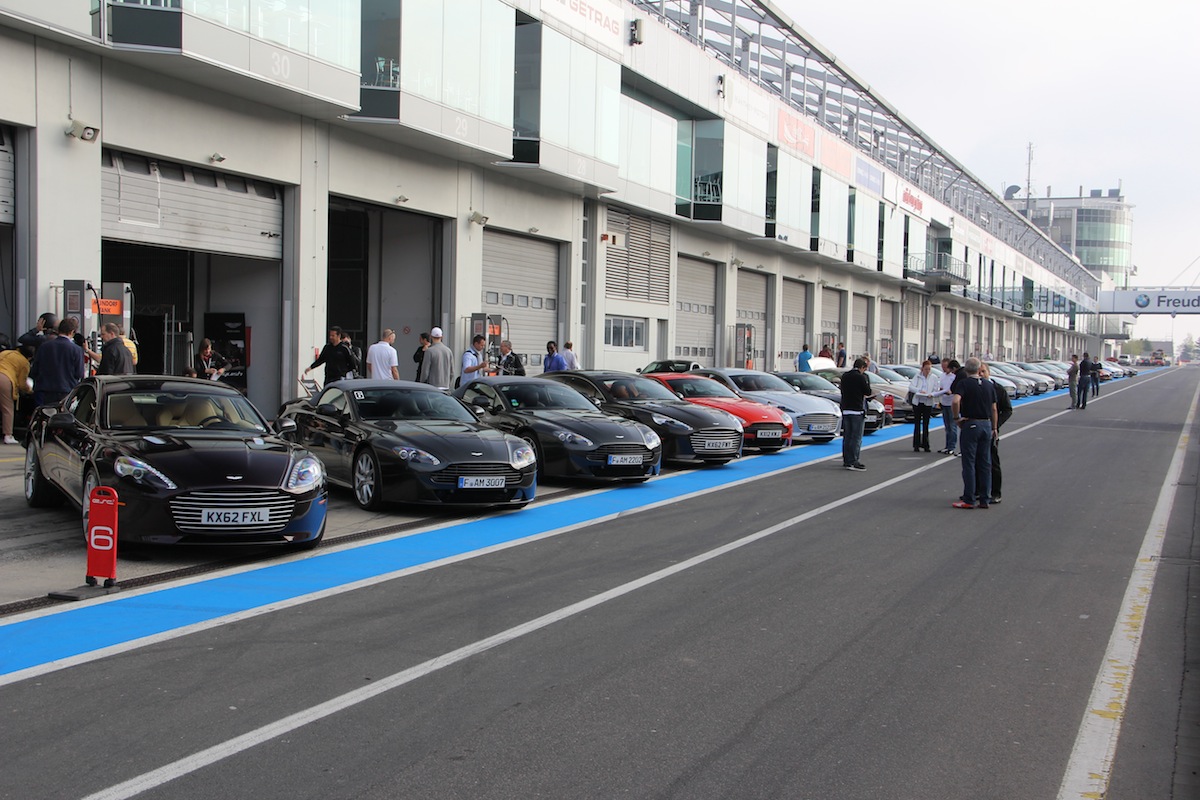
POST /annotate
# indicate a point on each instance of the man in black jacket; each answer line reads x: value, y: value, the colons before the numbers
x: 856, y: 390
x: 336, y: 356
x: 1004, y: 410
x: 114, y: 356
x: 1085, y: 382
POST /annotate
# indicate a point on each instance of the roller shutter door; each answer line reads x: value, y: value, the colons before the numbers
x: 831, y: 318
x: 147, y: 201
x: 887, y: 333
x: 752, y: 310
x: 860, y: 317
x: 793, y: 321
x: 964, y: 335
x: 696, y: 311
x: 8, y: 178
x: 638, y: 263
x: 520, y: 282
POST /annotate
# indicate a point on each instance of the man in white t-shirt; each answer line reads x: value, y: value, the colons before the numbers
x: 382, y: 362
x: 569, y: 357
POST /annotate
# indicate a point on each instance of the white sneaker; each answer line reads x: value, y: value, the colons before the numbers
x: 10, y: 440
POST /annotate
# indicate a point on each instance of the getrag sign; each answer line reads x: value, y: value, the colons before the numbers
x: 1150, y: 301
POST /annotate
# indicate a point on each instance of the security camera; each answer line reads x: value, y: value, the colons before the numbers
x: 79, y: 130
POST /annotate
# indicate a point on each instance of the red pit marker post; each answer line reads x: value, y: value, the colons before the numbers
x: 102, y: 536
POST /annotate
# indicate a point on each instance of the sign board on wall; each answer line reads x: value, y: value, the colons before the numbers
x: 600, y: 20
x: 1150, y: 301
x: 797, y: 135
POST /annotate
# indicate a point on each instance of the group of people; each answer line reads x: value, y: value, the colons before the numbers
x: 433, y: 358
x: 973, y: 410
x: 1083, y: 377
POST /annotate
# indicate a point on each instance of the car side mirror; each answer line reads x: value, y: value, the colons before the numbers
x: 328, y: 410
x: 285, y: 426
x: 61, y: 421
x: 638, y: 370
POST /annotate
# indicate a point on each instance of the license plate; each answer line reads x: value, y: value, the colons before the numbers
x: 481, y: 483
x: 624, y: 460
x: 770, y: 433
x: 822, y: 427
x: 235, y: 516
x: 717, y: 444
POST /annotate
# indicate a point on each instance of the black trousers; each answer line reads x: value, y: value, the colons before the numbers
x: 995, y: 471
x: 921, y: 415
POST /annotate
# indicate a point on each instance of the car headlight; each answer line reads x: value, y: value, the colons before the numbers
x: 141, y: 472
x: 670, y: 422
x: 521, y: 455
x: 414, y: 455
x: 788, y: 419
x: 307, y: 473
x: 650, y: 438
x: 572, y: 439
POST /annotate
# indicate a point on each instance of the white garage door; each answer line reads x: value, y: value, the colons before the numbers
x: 752, y: 310
x: 887, y: 333
x: 860, y: 319
x: 696, y: 311
x: 149, y: 201
x: 520, y: 282
x: 831, y: 318
x: 793, y: 322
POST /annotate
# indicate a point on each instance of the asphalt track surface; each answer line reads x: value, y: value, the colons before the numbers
x: 776, y: 628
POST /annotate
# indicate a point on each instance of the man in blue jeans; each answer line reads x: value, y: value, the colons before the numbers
x: 975, y: 414
x: 856, y: 390
x: 946, y: 398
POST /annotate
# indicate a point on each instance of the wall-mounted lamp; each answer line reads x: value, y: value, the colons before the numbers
x: 216, y: 158
x: 737, y: 262
x: 636, y: 35
x: 82, y: 132
x: 401, y: 198
x: 533, y: 229
x: 720, y: 86
x: 477, y: 218
x: 706, y: 253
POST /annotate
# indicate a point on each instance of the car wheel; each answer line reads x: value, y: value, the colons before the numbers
x: 367, y: 480
x: 39, y: 492
x: 90, y: 481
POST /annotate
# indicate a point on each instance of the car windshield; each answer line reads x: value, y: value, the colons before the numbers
x: 526, y: 395
x: 810, y: 382
x: 761, y: 382
x: 891, y: 375
x: 638, y: 389
x: 153, y: 408
x: 700, y: 387
x: 401, y: 403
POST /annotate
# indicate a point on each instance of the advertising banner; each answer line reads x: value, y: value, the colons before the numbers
x: 1150, y: 301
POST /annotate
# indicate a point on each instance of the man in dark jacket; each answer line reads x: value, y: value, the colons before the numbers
x: 1004, y: 410
x: 58, y: 365
x: 114, y: 356
x: 1085, y: 382
x: 856, y: 390
x: 337, y: 358
x: 47, y: 325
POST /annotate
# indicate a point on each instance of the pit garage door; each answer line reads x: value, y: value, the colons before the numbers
x: 831, y: 318
x: 520, y: 282
x: 887, y: 333
x: 860, y: 320
x: 696, y: 311
x: 752, y: 310
x: 155, y: 202
x: 793, y: 321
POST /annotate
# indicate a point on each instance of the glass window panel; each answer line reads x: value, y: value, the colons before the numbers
x: 421, y: 48
x: 582, y: 108
x: 334, y: 32
x: 380, y: 64
x: 497, y: 56
x: 607, y: 116
x: 282, y: 21
x: 556, y: 87
x: 527, y: 82
x: 462, y: 31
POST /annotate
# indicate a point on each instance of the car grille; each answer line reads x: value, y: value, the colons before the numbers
x: 805, y: 420
x: 450, y: 475
x: 602, y: 452
x: 188, y: 510
x: 764, y: 426
x: 700, y: 440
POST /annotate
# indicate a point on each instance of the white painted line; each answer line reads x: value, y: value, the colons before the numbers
x: 1089, y: 769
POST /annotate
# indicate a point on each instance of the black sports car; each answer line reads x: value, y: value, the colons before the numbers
x: 412, y: 443
x: 192, y: 462
x: 689, y: 432
x: 570, y: 435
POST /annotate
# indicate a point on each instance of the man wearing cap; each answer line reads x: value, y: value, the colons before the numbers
x: 438, y: 362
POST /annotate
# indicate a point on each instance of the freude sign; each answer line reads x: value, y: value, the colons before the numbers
x: 1150, y: 301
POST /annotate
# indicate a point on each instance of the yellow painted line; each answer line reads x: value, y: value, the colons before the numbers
x: 10, y: 460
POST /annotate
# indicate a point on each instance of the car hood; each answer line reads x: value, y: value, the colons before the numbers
x: 795, y: 402
x: 204, y: 459
x: 694, y: 415
x: 444, y: 437
x: 748, y: 411
x: 591, y: 424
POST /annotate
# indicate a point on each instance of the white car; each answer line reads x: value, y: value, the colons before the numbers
x: 814, y: 419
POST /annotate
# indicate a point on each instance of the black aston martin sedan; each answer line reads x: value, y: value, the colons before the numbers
x: 399, y: 441
x: 569, y: 434
x: 689, y: 432
x: 192, y: 462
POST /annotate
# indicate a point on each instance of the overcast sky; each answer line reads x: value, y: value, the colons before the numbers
x: 1107, y: 92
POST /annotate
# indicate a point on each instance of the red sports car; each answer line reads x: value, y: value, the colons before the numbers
x: 766, y: 427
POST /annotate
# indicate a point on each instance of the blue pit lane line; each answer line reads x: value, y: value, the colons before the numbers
x: 42, y: 640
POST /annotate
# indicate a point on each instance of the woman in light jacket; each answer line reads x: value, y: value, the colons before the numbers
x: 924, y: 388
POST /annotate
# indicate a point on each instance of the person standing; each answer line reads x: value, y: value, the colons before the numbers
x: 438, y: 362
x: 1004, y: 410
x: 1073, y: 381
x: 925, y: 388
x: 510, y: 362
x: 974, y: 406
x: 554, y: 360
x: 841, y: 356
x: 419, y: 355
x: 382, y: 362
x: 211, y: 365
x: 569, y: 358
x: 474, y: 361
x: 114, y: 357
x: 14, y: 371
x: 825, y: 352
x: 804, y: 360
x: 856, y: 391
x: 47, y: 325
x: 1096, y: 367
x: 946, y: 400
x: 338, y: 359
x: 872, y: 367
x: 57, y: 367
x: 1085, y: 382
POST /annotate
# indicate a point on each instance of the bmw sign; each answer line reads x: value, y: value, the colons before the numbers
x: 1149, y: 301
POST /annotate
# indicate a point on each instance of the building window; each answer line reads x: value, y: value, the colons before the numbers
x: 627, y: 333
